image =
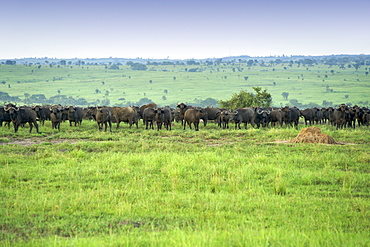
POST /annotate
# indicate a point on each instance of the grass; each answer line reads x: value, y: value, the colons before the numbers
x: 304, y: 84
x: 136, y: 187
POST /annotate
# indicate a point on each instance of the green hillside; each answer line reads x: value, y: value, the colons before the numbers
x: 112, y: 84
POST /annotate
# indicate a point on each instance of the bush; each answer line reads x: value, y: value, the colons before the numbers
x: 138, y: 66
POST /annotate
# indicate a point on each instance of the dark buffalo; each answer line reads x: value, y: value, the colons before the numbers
x: 163, y: 117
x: 276, y: 116
x: 325, y: 115
x: 331, y: 116
x: 340, y: 116
x: 351, y: 117
x: 4, y: 117
x: 149, y: 115
x: 243, y: 115
x: 176, y: 115
x: 126, y: 114
x: 291, y: 116
x: 192, y: 116
x: 224, y: 119
x: 43, y: 113
x: 359, y: 115
x: 211, y: 114
x: 318, y: 117
x: 366, y: 117
x: 22, y: 115
x: 56, y: 116
x: 261, y: 117
x: 308, y: 115
x: 75, y: 115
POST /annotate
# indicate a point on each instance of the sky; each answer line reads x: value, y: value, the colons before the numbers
x: 178, y: 29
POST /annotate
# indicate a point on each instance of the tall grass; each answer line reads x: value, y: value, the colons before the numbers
x: 136, y: 187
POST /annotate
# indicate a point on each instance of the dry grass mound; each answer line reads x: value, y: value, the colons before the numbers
x: 312, y: 135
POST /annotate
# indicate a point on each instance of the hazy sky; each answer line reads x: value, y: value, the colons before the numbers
x: 182, y: 29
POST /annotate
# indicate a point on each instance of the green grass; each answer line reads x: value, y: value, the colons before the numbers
x: 136, y: 187
x: 305, y: 84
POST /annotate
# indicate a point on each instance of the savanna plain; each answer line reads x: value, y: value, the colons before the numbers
x: 214, y: 187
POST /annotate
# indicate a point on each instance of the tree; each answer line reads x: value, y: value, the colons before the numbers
x: 209, y: 102
x: 37, y: 98
x: 10, y: 62
x: 246, y: 99
x: 144, y: 101
x: 262, y: 97
x: 139, y: 66
x: 26, y: 96
x: 63, y: 62
x: 285, y: 95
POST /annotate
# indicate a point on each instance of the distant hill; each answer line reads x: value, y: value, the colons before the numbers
x: 242, y: 58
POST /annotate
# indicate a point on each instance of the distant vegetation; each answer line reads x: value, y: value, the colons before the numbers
x: 295, y: 81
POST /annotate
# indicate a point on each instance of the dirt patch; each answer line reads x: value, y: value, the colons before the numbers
x: 30, y: 142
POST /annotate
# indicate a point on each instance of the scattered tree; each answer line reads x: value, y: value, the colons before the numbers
x: 285, y: 95
x: 138, y: 66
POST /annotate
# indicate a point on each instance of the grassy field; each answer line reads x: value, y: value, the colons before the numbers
x: 134, y: 187
x: 168, y: 85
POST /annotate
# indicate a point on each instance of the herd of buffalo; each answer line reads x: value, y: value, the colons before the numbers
x: 340, y: 117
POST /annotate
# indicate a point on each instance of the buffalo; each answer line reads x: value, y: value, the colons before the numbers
x: 192, y: 116
x: 75, y: 115
x: 224, y: 119
x: 22, y: 115
x: 43, y: 113
x: 149, y: 117
x: 276, y: 116
x: 143, y: 107
x: 126, y: 114
x: 163, y: 117
x: 340, y: 116
x: 56, y: 116
x: 243, y: 115
x: 318, y: 115
x: 102, y: 116
x: 183, y: 108
x: 212, y: 114
x: 291, y: 116
x: 331, y: 117
x: 308, y: 115
x: 4, y: 117
x: 261, y: 117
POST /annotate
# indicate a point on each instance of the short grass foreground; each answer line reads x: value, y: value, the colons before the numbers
x: 132, y: 187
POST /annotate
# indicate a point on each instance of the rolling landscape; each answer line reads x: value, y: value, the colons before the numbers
x: 275, y: 150
x: 295, y: 81
x: 78, y: 186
